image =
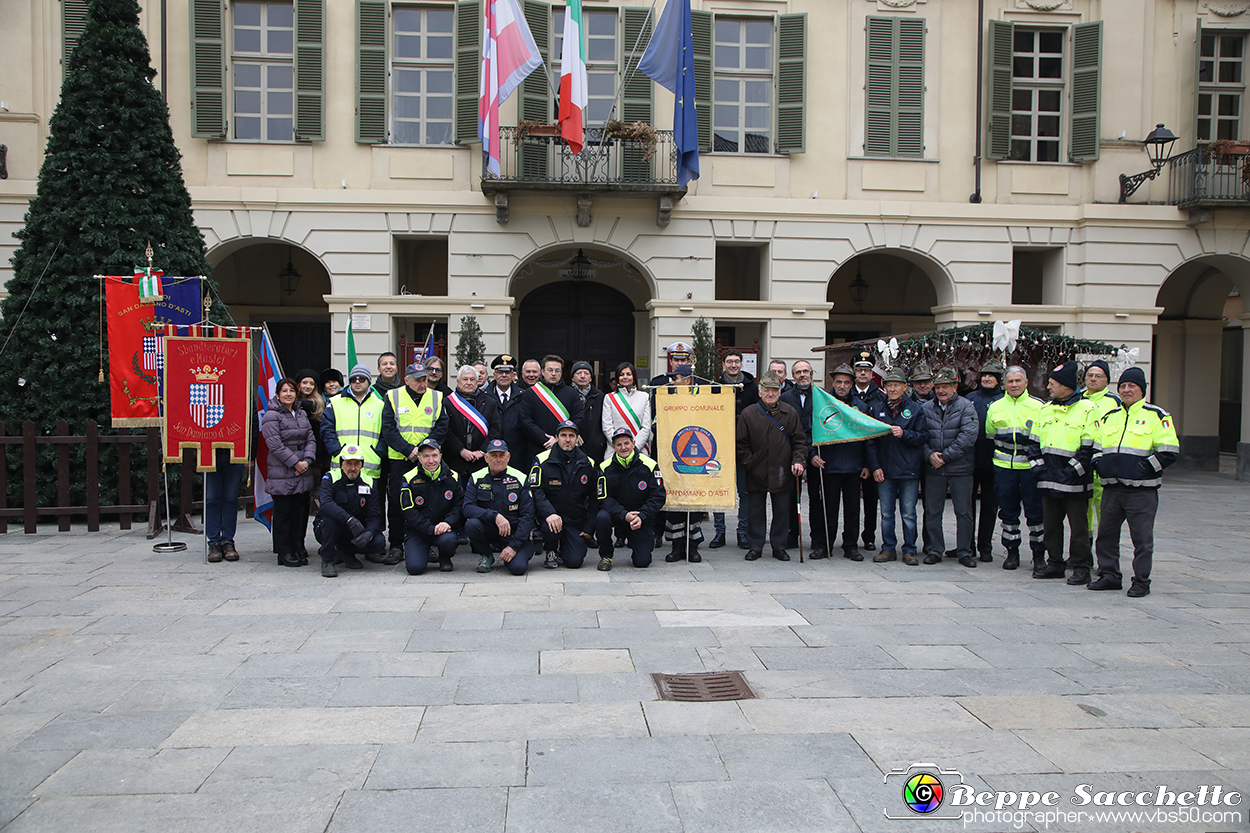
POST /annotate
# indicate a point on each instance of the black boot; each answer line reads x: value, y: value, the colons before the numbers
x: 1012, y: 561
x: 693, y: 555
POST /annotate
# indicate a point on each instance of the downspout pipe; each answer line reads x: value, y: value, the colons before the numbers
x: 976, y: 160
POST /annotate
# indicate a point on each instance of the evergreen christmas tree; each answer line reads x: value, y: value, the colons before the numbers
x: 111, y: 182
x: 470, y: 348
x: 706, y: 362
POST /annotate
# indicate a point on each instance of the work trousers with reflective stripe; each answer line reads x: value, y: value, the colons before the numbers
x: 1015, y: 488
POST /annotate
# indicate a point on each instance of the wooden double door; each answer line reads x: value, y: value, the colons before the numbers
x: 578, y: 321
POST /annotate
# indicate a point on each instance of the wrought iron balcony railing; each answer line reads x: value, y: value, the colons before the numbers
x: 1200, y: 178
x: 544, y: 163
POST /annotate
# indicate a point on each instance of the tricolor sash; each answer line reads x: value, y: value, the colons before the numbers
x: 549, y: 399
x: 469, y: 412
x: 622, y: 406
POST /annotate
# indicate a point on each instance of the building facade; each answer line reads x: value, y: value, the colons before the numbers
x: 965, y: 164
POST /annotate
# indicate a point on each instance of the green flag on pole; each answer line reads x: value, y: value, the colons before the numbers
x: 351, y: 346
x: 834, y: 422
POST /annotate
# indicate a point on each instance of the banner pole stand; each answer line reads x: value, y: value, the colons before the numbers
x: 687, y: 536
x: 170, y: 545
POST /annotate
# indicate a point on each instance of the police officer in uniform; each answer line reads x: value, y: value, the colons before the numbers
x: 350, y: 519
x: 410, y: 413
x: 499, y: 513
x: 631, y: 496
x: 868, y: 398
x: 432, y: 502
x: 1137, y: 442
x: 563, y: 482
x: 354, y: 417
x: 507, y: 393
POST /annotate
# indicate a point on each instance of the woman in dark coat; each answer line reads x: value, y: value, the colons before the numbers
x: 292, y: 449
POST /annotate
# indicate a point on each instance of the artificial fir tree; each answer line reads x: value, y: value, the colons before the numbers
x: 470, y: 348
x: 706, y: 362
x: 111, y: 182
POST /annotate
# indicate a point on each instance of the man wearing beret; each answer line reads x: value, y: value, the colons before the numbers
x: 1065, y: 428
x: 1137, y: 442
x: 868, y: 398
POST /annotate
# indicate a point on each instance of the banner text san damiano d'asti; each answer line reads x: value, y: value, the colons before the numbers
x: 695, y: 447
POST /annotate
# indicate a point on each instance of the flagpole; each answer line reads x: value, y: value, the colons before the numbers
x: 824, y: 511
x: 798, y: 505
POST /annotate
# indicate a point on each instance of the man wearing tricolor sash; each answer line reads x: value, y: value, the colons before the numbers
x: 548, y: 403
x: 472, y: 421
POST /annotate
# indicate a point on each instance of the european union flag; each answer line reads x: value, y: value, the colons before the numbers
x: 669, y: 62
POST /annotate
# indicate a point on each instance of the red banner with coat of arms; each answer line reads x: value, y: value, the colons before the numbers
x: 208, y: 384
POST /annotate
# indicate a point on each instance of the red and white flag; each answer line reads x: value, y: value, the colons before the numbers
x: 509, y: 54
x: 572, y: 77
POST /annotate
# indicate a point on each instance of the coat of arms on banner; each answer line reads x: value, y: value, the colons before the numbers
x: 154, y: 346
x: 207, y: 402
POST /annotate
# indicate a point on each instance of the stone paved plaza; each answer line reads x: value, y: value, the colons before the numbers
x: 145, y: 692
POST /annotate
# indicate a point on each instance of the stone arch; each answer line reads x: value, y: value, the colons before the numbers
x: 904, y: 286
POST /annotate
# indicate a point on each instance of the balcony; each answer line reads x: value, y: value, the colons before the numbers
x: 1200, y: 179
x: 543, y: 164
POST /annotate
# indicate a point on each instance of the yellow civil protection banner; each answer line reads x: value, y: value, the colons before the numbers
x: 695, y: 446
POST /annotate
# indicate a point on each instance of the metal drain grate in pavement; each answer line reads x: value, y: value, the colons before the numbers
x: 703, y: 688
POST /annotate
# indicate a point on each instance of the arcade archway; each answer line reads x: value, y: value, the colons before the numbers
x: 248, y: 277
x: 884, y: 292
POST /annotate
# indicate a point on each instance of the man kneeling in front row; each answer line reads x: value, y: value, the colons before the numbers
x: 500, y: 513
x: 350, y: 518
x: 631, y: 496
x: 563, y: 482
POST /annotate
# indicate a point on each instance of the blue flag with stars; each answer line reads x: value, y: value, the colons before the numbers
x: 669, y: 62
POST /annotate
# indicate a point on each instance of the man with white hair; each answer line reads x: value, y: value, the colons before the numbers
x: 472, y: 422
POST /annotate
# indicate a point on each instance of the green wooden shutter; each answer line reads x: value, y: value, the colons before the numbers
x: 310, y: 70
x: 879, y: 87
x: 73, y: 21
x: 909, y: 88
x: 791, y: 82
x: 1197, y: 83
x: 208, y: 69
x: 701, y: 28
x: 469, y: 20
x: 537, y: 103
x: 998, y: 129
x: 1086, y: 91
x: 371, y: 72
x: 637, y: 101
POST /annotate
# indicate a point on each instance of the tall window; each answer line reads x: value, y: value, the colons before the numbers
x: 1036, y: 94
x: 742, y: 112
x: 261, y: 71
x: 601, y: 61
x: 423, y: 75
x: 1221, y: 86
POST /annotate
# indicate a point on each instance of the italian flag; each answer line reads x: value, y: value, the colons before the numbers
x: 572, y: 77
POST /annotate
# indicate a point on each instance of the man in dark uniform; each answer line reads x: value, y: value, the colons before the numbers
x: 472, y: 421
x: 350, y: 518
x: 799, y: 397
x: 507, y: 393
x: 563, y: 482
x: 409, y: 413
x: 593, y: 441
x: 548, y: 403
x: 631, y: 496
x: 499, y: 513
x: 990, y: 391
x: 745, y: 395
x: 431, y: 499
x: 869, y: 398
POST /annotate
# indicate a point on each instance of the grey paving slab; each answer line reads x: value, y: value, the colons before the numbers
x: 394, y: 664
x: 410, y: 766
x: 535, y: 620
x: 795, y: 659
x: 1019, y: 681
x: 893, y: 682
x: 479, y: 689
x: 173, y: 695
x: 301, y: 665
x: 455, y: 810
x: 393, y: 691
x: 279, y: 693
x: 975, y: 750
x: 593, y: 808
x: 795, y: 806
x: 667, y: 718
x: 1031, y: 655
x: 26, y: 770
x: 624, y: 760
x: 631, y: 637
x: 487, y: 640
x: 612, y: 687
x: 519, y: 661
x: 1114, y: 750
x: 330, y: 768
x: 76, y: 730
x: 521, y: 721
x: 749, y: 757
x: 296, y: 727
x: 133, y: 772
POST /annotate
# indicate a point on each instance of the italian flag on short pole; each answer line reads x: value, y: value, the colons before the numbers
x: 572, y: 77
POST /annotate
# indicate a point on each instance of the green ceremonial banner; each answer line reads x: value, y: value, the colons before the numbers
x: 834, y: 422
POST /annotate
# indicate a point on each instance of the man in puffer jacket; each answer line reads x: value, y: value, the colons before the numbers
x: 952, y: 423
x: 1065, y: 473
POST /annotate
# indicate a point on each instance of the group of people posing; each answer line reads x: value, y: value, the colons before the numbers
x: 411, y: 469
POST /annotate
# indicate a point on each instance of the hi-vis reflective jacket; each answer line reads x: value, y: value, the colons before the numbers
x: 1104, y: 400
x: 406, y: 421
x: 1065, y: 431
x: 347, y: 421
x: 1010, y: 422
x: 1138, y: 443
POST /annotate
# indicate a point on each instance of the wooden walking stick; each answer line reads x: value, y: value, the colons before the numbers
x: 798, y: 505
